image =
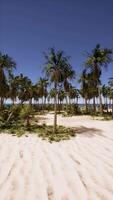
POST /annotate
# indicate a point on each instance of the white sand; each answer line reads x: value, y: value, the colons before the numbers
x: 78, y: 169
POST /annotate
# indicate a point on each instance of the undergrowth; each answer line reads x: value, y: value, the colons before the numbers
x: 43, y: 131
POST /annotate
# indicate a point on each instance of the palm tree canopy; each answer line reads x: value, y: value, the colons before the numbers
x: 57, y: 66
x: 42, y: 87
x: 6, y: 67
x: 98, y: 58
x: 25, y: 88
x: 7, y: 64
x: 88, y: 85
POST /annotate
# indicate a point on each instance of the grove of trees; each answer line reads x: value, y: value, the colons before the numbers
x: 55, y: 91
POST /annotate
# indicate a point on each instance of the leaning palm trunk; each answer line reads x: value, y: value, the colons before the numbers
x: 55, y: 111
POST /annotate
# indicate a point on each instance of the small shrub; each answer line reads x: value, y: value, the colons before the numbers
x: 73, y: 109
x: 25, y: 113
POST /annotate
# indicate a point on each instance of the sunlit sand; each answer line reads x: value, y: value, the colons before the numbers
x: 77, y: 169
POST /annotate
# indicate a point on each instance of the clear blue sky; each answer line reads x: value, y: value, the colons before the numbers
x: 29, y: 27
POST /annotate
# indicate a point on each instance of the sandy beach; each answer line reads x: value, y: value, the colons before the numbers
x: 77, y: 169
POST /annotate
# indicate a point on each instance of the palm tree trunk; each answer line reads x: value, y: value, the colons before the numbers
x: 86, y: 105
x: 42, y: 105
x: 30, y: 101
x: 112, y: 107
x: 100, y: 100
x: 1, y: 102
x: 69, y: 101
x: 13, y: 102
x: 59, y: 105
x: 66, y: 103
x: 107, y: 104
x: 94, y: 106
x: 55, y: 110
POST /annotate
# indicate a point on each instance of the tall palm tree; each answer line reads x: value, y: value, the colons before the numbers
x: 84, y: 91
x: 36, y: 95
x: 13, y: 88
x: 105, y: 94
x: 72, y: 94
x: 55, y: 68
x: 61, y: 97
x: 7, y: 64
x: 25, y: 89
x: 52, y: 94
x: 42, y: 89
x: 110, y: 84
x: 98, y: 59
x: 69, y: 74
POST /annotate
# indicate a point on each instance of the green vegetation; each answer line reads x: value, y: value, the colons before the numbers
x: 43, y: 131
x: 54, y: 92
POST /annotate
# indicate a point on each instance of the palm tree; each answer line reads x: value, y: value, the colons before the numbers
x: 96, y: 60
x: 93, y: 92
x: 42, y: 89
x: 110, y: 84
x: 25, y: 89
x: 7, y: 64
x: 69, y: 74
x: 56, y: 65
x: 52, y: 93
x: 13, y: 88
x: 105, y: 93
x: 61, y: 97
x: 84, y: 91
x: 72, y: 94
x: 36, y: 95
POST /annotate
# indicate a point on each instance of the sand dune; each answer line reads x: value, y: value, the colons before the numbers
x: 78, y: 169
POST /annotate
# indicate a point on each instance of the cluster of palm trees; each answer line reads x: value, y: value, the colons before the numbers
x: 91, y: 76
x: 57, y: 82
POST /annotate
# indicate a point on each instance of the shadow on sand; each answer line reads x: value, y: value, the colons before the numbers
x: 88, y: 132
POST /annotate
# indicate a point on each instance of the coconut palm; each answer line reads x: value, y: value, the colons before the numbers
x: 42, y: 90
x: 110, y: 84
x: 84, y: 91
x: 36, y: 95
x: 25, y: 89
x: 98, y: 59
x: 13, y: 88
x: 56, y: 68
x: 72, y: 94
x: 93, y: 92
x: 69, y: 74
x: 61, y: 97
x: 7, y: 64
x: 105, y: 94
x: 52, y: 93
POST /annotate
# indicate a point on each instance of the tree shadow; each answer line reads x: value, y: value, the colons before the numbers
x: 88, y: 132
